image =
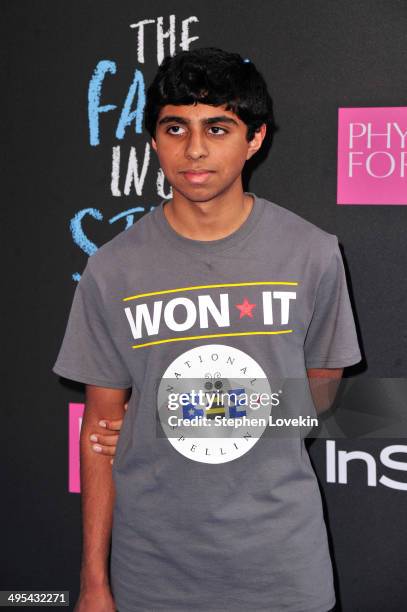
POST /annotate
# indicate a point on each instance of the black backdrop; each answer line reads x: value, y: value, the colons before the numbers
x: 316, y: 55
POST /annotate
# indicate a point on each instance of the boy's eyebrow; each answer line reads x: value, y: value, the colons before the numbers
x: 207, y: 121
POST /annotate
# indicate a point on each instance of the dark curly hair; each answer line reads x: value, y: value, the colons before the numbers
x: 210, y: 76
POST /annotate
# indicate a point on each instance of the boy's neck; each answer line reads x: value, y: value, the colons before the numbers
x: 210, y: 220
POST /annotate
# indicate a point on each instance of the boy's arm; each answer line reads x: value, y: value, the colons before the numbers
x: 97, y: 486
x: 324, y: 383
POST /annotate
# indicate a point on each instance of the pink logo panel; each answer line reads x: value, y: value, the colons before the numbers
x: 75, y: 424
x: 372, y: 155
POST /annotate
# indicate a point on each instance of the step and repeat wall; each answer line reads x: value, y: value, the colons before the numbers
x: 81, y: 169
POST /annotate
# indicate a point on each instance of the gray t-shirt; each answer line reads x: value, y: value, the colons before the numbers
x: 199, y: 526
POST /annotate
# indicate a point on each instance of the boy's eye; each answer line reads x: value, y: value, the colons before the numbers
x: 217, y: 127
x: 175, y: 127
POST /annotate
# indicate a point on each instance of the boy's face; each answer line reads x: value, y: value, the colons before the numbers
x: 202, y: 149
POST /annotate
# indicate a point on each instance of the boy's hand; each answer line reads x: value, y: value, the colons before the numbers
x: 105, y: 443
x: 99, y: 599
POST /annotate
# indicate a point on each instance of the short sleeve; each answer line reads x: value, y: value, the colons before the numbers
x: 331, y: 339
x: 88, y: 353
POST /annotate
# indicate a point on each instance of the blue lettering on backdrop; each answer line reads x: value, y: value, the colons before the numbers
x: 127, y: 115
x: 94, y: 108
x: 79, y: 237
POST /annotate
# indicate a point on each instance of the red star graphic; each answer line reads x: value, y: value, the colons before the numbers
x: 245, y: 308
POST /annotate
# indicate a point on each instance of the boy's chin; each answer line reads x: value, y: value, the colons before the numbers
x: 199, y: 194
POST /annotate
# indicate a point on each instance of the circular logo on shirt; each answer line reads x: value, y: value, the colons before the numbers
x: 214, y: 403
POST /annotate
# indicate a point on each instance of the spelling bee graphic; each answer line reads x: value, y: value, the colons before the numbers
x: 208, y: 403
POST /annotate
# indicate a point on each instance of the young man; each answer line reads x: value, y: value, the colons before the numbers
x: 221, y: 285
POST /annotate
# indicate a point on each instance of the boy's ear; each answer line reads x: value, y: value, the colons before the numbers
x: 154, y: 144
x: 256, y: 142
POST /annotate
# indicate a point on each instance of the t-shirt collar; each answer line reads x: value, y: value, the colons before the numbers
x: 210, y: 246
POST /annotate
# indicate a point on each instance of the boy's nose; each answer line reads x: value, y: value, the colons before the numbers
x: 196, y: 147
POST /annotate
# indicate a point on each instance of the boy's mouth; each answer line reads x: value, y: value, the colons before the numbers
x: 197, y: 176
